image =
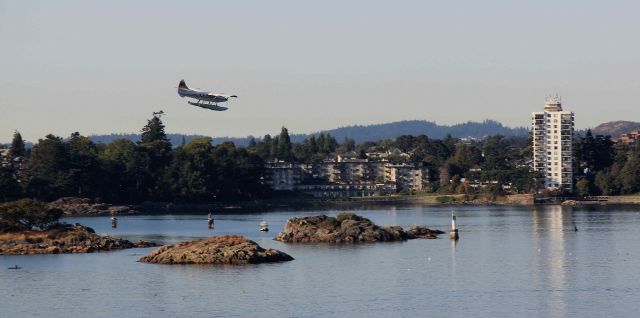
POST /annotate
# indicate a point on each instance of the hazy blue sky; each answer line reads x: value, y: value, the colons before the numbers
x: 105, y: 66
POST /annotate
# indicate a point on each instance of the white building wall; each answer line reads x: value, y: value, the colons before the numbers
x: 552, y: 145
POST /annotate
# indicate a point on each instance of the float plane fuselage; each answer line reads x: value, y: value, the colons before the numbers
x: 203, y: 99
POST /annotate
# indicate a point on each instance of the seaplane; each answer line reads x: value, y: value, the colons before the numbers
x: 204, y: 99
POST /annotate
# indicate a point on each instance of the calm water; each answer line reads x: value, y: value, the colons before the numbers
x: 509, y: 262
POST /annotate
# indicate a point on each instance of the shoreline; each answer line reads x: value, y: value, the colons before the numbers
x: 153, y: 207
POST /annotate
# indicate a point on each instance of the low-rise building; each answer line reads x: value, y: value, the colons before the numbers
x: 346, y: 176
x: 629, y: 138
x: 284, y: 176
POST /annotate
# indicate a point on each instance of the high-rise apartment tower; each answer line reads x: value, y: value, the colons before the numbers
x: 552, y: 131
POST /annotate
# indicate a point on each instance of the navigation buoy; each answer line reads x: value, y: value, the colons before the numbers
x: 453, y: 234
x: 210, y: 221
x: 114, y: 222
x: 264, y: 226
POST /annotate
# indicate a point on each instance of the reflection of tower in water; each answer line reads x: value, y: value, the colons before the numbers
x: 556, y: 260
x: 551, y: 227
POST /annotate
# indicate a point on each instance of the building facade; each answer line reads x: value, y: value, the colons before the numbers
x: 552, y: 131
x: 629, y: 138
x: 346, y: 177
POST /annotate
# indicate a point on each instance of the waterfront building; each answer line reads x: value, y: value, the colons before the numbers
x: 552, y: 131
x: 345, y: 176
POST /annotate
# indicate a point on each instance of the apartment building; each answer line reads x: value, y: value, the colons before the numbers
x: 552, y: 131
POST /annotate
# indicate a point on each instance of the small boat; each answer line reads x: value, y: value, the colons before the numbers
x: 264, y: 227
x: 14, y: 267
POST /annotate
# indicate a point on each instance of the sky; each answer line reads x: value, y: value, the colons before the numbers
x: 104, y: 66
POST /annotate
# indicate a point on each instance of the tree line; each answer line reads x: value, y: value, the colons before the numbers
x: 198, y: 171
x: 124, y: 171
x: 605, y: 167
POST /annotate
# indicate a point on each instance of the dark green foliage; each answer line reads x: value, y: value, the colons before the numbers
x: 126, y: 166
x: 9, y: 187
x: 495, y: 150
x: 153, y: 131
x: 149, y: 170
x: 604, y: 182
x: 48, y: 169
x: 27, y: 214
x: 283, y: 148
x: 17, y: 146
x: 629, y: 177
x: 467, y: 156
x: 583, y: 187
x: 594, y: 153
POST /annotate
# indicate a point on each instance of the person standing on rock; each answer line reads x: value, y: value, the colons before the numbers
x: 210, y: 220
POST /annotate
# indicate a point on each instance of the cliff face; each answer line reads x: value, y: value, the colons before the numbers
x: 346, y: 228
x: 229, y: 249
x: 62, y: 239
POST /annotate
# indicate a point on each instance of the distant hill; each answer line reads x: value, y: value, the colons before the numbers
x: 615, y: 128
x: 420, y: 127
x: 363, y: 133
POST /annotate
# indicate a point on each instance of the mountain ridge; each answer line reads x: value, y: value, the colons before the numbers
x: 615, y: 128
x: 361, y: 133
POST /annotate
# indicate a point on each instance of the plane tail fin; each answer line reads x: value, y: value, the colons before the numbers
x: 182, y: 84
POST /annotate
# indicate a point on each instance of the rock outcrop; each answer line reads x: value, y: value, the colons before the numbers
x: 424, y: 232
x: 62, y: 238
x: 346, y: 228
x: 228, y: 249
x: 84, y: 206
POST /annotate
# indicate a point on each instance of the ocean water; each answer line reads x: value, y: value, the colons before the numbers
x: 509, y: 262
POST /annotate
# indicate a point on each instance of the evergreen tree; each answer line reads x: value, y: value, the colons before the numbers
x: 252, y: 142
x: 48, y: 169
x: 157, y: 147
x: 495, y: 151
x: 284, y: 145
x: 84, y: 166
x: 347, y: 145
x: 17, y: 146
x: 466, y: 156
x: 127, y: 168
x: 273, y: 150
x: 263, y: 149
x: 153, y: 130
x: 9, y: 187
